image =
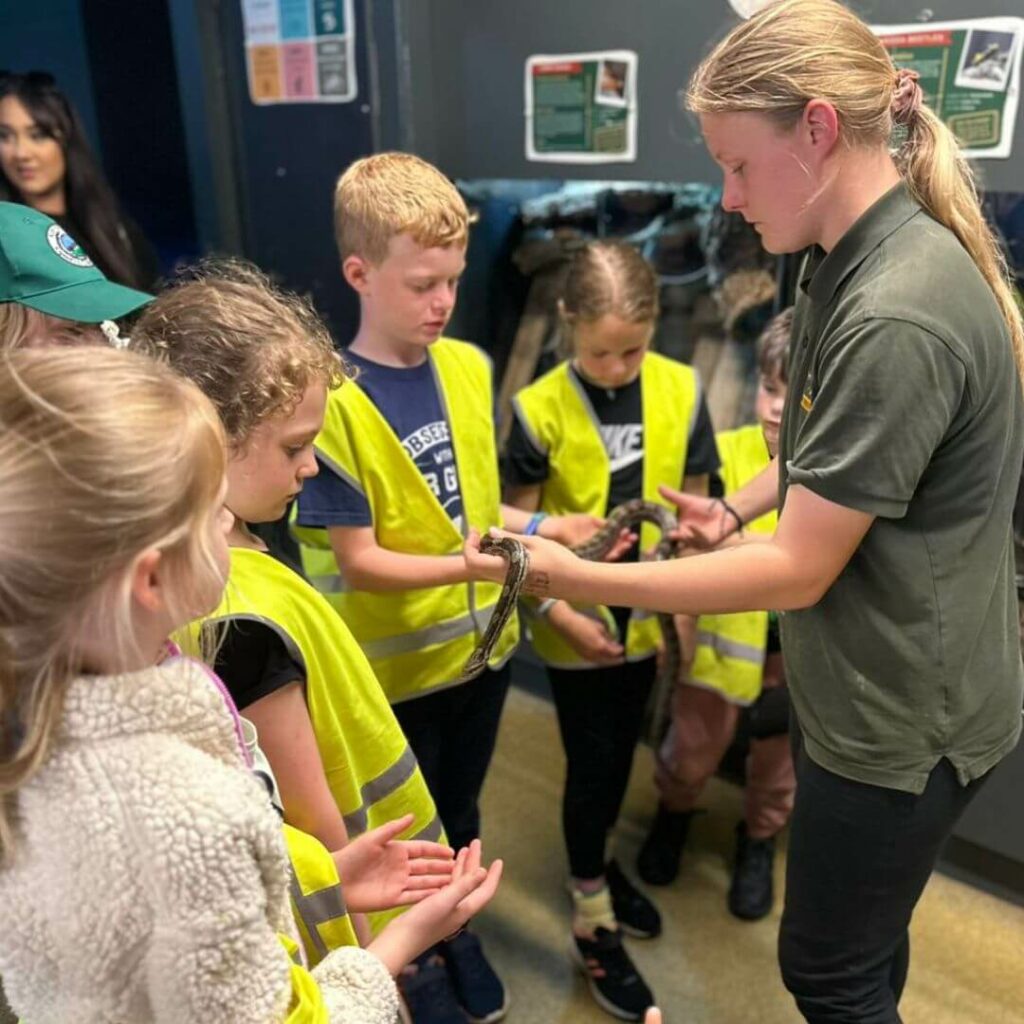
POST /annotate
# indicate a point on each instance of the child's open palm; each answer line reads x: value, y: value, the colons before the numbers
x: 442, y: 913
x: 379, y: 871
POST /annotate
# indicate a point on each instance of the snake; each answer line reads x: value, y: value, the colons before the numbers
x: 628, y: 515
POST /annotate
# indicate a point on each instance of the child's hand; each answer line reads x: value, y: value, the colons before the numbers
x: 378, y: 872
x: 441, y: 914
x: 586, y: 636
x: 703, y: 522
x: 480, y: 566
x: 578, y: 528
x: 570, y: 530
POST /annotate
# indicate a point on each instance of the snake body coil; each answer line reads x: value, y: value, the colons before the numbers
x: 626, y: 516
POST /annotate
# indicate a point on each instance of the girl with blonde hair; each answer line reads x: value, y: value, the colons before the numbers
x: 142, y: 872
x: 899, y: 453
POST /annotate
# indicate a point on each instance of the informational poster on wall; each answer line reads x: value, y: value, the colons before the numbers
x: 970, y: 74
x: 581, y: 107
x: 300, y: 51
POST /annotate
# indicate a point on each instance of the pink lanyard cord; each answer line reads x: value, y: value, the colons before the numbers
x: 174, y: 651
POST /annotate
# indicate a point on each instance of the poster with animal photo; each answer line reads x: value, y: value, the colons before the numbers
x: 969, y: 74
x: 581, y: 108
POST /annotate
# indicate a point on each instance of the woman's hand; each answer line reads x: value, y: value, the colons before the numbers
x: 440, y: 914
x: 653, y: 1016
x: 378, y: 871
x: 547, y: 560
x: 588, y: 637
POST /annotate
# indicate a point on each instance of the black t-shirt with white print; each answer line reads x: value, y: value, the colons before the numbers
x: 619, y: 412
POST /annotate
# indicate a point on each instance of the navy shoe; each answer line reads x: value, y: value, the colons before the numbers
x: 478, y: 989
x: 428, y: 993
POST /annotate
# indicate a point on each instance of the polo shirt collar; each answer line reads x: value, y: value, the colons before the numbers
x: 825, y: 272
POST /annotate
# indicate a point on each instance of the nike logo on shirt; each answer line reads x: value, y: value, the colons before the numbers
x: 624, y: 443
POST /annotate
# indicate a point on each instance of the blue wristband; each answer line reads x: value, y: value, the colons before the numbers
x: 534, y: 524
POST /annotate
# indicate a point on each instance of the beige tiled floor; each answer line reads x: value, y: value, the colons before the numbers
x: 707, y: 968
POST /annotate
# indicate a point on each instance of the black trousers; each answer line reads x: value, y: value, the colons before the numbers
x: 452, y: 733
x: 600, y: 714
x: 859, y: 857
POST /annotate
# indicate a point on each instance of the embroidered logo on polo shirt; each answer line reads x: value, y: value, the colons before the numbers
x: 66, y: 247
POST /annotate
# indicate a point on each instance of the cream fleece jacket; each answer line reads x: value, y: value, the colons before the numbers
x: 150, y: 877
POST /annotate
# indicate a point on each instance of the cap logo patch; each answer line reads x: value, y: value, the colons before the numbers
x: 66, y: 247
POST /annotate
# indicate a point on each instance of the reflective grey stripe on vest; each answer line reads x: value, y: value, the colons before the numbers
x: 588, y: 406
x: 338, y: 470
x: 296, y: 955
x: 333, y: 583
x: 432, y: 832
x: 697, y: 397
x: 317, y: 908
x: 376, y: 789
x: 406, y: 643
x: 524, y: 422
x: 731, y: 648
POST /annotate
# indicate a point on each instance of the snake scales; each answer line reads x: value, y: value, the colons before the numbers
x: 626, y: 516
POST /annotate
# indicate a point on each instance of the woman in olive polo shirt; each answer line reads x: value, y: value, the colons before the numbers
x: 900, y: 450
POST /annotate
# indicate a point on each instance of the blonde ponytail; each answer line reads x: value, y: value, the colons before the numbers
x: 942, y: 181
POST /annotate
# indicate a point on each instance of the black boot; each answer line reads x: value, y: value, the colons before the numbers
x: 751, y: 892
x: 658, y: 860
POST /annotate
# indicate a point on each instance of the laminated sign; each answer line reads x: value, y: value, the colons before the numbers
x: 300, y: 51
x: 581, y: 107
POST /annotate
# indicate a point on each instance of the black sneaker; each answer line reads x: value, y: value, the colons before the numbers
x: 614, y: 982
x: 636, y: 914
x: 752, y: 891
x: 428, y: 992
x: 658, y: 860
x: 478, y: 989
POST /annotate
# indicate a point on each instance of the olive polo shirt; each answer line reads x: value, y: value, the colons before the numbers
x: 904, y: 402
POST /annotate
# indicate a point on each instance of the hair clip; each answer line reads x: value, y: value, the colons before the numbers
x: 113, y: 335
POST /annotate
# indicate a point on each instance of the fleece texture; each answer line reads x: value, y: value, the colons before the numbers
x: 149, y: 882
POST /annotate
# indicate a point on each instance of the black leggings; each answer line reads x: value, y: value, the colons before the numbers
x: 600, y: 713
x: 452, y: 733
x: 859, y: 857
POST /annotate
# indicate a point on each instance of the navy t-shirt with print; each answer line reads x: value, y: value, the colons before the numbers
x: 407, y: 397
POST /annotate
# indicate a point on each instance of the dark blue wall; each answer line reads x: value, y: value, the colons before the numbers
x: 115, y: 61
x: 49, y: 35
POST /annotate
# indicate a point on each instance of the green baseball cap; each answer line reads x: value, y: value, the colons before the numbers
x: 43, y: 267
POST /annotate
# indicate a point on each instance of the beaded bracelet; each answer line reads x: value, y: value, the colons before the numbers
x: 534, y: 524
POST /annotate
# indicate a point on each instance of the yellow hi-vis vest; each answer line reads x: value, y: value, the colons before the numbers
x: 307, y: 1003
x: 370, y: 768
x: 318, y: 904
x: 416, y: 640
x: 731, y: 648
x: 561, y: 423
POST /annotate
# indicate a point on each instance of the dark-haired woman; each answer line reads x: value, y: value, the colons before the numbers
x: 46, y: 162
